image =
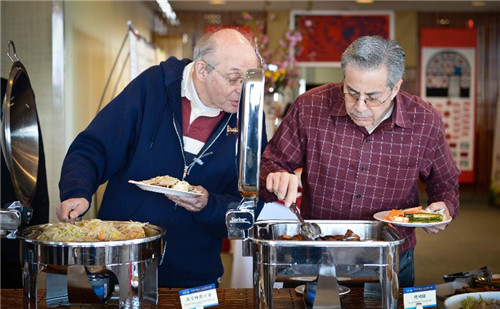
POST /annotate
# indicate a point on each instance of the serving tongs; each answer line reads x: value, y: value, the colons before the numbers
x: 469, y: 277
x: 309, y: 230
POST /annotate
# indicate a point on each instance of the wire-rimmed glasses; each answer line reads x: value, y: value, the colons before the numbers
x: 234, y: 79
x: 352, y: 97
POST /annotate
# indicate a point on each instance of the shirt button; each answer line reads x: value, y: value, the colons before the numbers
x: 363, y: 169
x: 368, y: 140
x: 358, y: 195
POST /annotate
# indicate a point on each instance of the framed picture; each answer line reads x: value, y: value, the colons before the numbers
x: 326, y: 34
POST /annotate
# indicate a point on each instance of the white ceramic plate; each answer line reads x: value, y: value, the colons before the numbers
x: 453, y: 302
x: 447, y: 289
x: 342, y: 289
x: 159, y: 189
x: 382, y: 214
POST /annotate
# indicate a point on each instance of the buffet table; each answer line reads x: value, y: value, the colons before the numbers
x: 228, y: 298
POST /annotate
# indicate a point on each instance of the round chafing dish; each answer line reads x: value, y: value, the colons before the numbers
x: 123, y: 272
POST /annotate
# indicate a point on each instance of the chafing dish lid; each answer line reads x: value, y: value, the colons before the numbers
x: 20, y: 131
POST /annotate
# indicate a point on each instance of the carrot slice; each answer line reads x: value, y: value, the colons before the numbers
x: 394, y: 213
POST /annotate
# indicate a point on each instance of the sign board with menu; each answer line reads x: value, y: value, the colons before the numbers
x: 448, y: 82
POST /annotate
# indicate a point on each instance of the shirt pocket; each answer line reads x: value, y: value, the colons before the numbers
x: 398, y: 171
x: 399, y: 161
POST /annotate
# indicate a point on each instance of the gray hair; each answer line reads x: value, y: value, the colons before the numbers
x: 204, y: 47
x: 371, y: 52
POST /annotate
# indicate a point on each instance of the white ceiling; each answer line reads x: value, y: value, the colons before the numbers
x: 337, y: 5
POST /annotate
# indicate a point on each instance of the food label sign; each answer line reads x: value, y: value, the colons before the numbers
x: 199, y: 297
x: 419, y: 297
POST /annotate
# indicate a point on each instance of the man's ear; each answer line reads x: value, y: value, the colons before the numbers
x: 396, y: 88
x: 200, y: 69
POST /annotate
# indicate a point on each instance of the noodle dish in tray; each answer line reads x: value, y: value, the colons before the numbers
x: 92, y: 232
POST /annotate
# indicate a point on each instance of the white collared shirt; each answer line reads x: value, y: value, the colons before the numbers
x: 197, y: 108
x: 188, y: 90
x: 387, y: 115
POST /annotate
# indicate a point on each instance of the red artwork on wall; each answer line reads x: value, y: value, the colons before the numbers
x: 325, y: 37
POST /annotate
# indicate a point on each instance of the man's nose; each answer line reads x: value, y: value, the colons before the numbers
x: 360, y: 104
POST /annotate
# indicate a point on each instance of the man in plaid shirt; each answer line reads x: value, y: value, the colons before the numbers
x: 362, y: 145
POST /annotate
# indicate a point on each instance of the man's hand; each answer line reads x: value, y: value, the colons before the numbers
x: 441, y: 208
x: 196, y: 203
x: 284, y: 185
x: 71, y: 209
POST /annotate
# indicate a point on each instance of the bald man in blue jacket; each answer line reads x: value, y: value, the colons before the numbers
x: 170, y: 120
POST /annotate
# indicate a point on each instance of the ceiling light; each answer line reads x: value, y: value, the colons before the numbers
x: 364, y: 1
x: 478, y: 3
x: 217, y: 2
x: 168, y: 12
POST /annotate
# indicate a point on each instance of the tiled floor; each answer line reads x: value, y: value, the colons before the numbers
x: 470, y: 242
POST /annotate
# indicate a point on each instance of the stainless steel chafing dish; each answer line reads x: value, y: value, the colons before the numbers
x: 376, y: 253
x: 112, y: 272
x: 106, y: 272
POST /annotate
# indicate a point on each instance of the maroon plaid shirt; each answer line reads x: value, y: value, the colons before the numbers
x: 349, y: 174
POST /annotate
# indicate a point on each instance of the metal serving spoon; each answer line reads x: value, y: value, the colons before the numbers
x: 309, y: 230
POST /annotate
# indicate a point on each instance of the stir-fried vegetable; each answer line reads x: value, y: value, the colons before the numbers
x: 474, y: 303
x: 93, y: 230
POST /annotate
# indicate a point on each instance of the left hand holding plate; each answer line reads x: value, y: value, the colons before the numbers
x: 194, y: 204
x: 439, y: 207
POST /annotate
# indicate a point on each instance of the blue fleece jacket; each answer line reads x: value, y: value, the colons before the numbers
x: 138, y: 135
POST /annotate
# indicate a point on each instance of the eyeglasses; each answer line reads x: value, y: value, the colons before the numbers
x: 234, y: 79
x: 352, y: 97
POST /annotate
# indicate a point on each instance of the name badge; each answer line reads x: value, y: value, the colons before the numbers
x: 199, y: 297
x: 419, y: 297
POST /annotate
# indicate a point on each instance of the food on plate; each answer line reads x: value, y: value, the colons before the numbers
x: 170, y: 183
x: 479, y: 303
x: 348, y: 236
x: 413, y: 215
x: 477, y: 285
x: 475, y: 289
x: 93, y: 230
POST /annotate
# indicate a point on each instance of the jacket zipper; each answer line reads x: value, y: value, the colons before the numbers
x: 182, y: 149
x: 187, y: 168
